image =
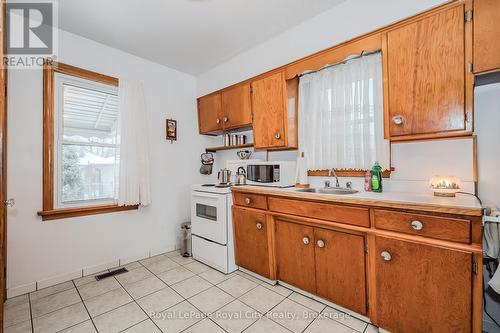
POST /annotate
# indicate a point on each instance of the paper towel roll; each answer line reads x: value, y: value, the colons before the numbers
x: 301, y: 175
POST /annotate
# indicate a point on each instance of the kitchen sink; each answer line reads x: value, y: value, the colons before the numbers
x: 329, y: 190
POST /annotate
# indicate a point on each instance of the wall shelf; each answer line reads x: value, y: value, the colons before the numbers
x: 215, y: 149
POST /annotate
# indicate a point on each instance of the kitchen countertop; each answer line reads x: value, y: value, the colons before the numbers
x: 462, y: 204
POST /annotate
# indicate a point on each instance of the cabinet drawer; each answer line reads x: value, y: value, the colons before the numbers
x: 322, y: 211
x: 445, y: 228
x: 250, y: 200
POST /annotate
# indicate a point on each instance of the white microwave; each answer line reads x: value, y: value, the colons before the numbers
x: 274, y: 173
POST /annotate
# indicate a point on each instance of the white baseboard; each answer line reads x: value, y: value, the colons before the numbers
x: 21, y: 290
x: 48, y: 282
x: 138, y: 257
x: 52, y: 281
x: 162, y: 250
x: 101, y: 267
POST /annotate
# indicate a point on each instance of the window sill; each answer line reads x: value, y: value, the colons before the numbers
x: 346, y: 173
x: 57, y: 214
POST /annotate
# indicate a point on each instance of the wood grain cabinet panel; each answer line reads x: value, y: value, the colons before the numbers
x: 251, y: 241
x: 486, y: 20
x: 453, y: 229
x: 210, y: 114
x: 422, y: 288
x: 294, y: 245
x: 250, y: 200
x: 426, y: 75
x: 269, y: 111
x: 341, y: 268
x: 236, y: 107
x: 324, y: 211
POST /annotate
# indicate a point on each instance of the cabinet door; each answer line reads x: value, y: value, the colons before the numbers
x: 236, y: 107
x: 295, y: 255
x: 209, y: 114
x: 340, y: 268
x: 268, y: 107
x: 426, y: 75
x: 486, y: 22
x: 251, y: 241
x: 422, y: 288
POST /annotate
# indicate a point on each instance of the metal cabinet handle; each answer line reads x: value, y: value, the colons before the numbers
x: 398, y: 120
x: 386, y: 256
x: 248, y: 201
x: 320, y: 243
x: 277, y: 135
x: 305, y: 240
x: 259, y: 225
x: 217, y: 121
x: 417, y: 225
x: 226, y: 119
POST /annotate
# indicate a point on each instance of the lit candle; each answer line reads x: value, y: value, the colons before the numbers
x: 445, y: 186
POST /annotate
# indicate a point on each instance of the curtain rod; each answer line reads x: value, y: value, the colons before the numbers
x: 346, y: 59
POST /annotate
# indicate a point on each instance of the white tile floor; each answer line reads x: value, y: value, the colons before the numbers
x: 170, y: 294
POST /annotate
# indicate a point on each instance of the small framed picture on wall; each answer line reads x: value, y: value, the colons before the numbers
x: 171, y: 130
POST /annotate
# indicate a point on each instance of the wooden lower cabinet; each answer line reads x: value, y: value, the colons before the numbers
x: 294, y: 244
x: 251, y: 243
x: 341, y: 268
x: 328, y: 263
x: 422, y: 288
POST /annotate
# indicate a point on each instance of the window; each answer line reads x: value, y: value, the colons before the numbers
x: 341, y: 116
x: 80, y: 144
x: 86, y: 142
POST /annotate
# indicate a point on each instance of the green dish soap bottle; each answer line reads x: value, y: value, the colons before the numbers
x: 377, y: 178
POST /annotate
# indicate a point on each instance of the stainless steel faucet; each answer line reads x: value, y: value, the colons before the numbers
x: 332, y: 173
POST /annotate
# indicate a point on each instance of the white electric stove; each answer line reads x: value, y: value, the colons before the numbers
x: 211, y: 226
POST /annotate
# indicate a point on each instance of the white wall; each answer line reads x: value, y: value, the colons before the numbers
x: 345, y: 21
x: 487, y: 120
x: 40, y: 250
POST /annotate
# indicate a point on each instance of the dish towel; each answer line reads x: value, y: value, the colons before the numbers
x: 491, y: 246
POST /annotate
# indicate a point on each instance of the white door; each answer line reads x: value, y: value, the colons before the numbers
x: 209, y: 216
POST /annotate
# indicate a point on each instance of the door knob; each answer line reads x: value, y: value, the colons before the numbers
x: 398, y: 120
x: 226, y: 119
x: 320, y: 243
x: 305, y: 240
x: 277, y: 135
x: 259, y: 225
x: 218, y: 121
x: 417, y: 225
x: 10, y: 202
x: 248, y: 201
x: 386, y: 256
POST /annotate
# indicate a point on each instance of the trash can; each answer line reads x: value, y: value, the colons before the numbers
x: 186, y: 239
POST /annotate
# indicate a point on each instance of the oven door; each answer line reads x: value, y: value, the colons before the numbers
x: 209, y: 216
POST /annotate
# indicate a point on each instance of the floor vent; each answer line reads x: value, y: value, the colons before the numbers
x: 112, y: 273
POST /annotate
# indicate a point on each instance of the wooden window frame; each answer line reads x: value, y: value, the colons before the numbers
x: 48, y: 212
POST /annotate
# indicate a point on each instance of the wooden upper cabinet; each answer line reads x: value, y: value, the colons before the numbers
x: 294, y: 245
x: 210, y: 114
x: 422, y: 288
x: 486, y: 20
x: 269, y: 111
x: 237, y: 107
x: 425, y: 75
x: 251, y: 246
x: 340, y: 268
